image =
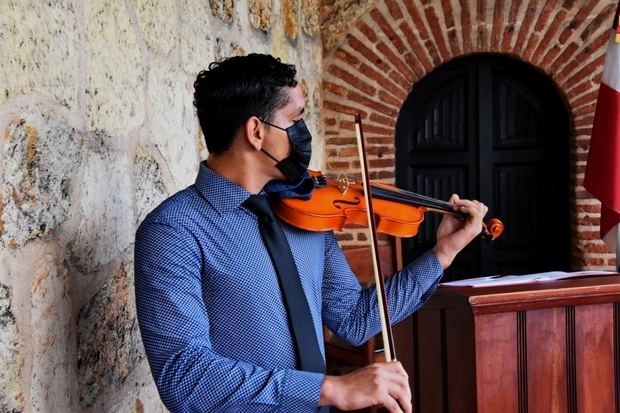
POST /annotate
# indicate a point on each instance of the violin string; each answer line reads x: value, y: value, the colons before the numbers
x: 432, y: 201
x: 411, y: 199
x: 423, y: 198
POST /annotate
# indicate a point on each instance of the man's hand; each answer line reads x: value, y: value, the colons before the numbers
x: 454, y: 234
x: 378, y: 384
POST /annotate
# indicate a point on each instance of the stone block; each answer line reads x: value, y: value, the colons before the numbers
x: 310, y: 17
x: 290, y: 11
x: 157, y: 21
x: 310, y: 59
x: 224, y: 9
x: 40, y: 156
x: 224, y: 49
x: 109, y: 345
x: 50, y: 345
x: 143, y: 398
x: 150, y: 190
x: 114, y: 69
x: 106, y: 222
x: 203, y: 153
x: 1, y: 215
x: 172, y: 122
x: 39, y: 43
x: 11, y: 396
x: 280, y: 46
x: 197, y: 45
x: 337, y: 17
x: 303, y: 84
x: 318, y: 143
x: 260, y: 14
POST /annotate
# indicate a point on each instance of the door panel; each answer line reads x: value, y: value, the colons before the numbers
x: 492, y: 128
x: 439, y: 126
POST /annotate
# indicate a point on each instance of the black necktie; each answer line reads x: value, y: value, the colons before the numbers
x: 304, y: 335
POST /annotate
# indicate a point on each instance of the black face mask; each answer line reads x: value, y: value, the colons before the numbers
x: 294, y: 166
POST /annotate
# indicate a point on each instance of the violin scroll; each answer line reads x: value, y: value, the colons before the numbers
x: 492, y: 229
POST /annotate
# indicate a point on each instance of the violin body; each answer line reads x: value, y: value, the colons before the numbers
x: 332, y: 206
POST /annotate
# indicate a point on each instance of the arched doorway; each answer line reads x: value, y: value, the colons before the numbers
x: 493, y: 128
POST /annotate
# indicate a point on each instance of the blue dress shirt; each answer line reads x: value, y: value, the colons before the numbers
x: 210, y: 308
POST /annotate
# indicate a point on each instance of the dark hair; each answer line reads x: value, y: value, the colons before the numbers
x: 234, y: 89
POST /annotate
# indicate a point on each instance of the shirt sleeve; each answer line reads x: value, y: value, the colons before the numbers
x: 174, y: 325
x: 352, y: 313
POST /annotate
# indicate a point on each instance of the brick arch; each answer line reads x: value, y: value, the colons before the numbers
x: 397, y: 42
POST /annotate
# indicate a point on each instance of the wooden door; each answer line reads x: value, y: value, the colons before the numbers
x: 493, y: 128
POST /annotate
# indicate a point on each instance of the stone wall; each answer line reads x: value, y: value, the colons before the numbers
x: 371, y: 65
x: 97, y: 128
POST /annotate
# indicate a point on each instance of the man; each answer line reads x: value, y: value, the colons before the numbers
x: 212, y: 311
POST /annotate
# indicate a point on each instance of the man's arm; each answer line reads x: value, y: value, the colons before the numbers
x: 352, y: 313
x: 174, y: 325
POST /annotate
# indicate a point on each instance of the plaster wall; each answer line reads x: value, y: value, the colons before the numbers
x: 97, y: 128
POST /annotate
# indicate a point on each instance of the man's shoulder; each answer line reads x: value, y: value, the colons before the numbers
x: 181, y: 207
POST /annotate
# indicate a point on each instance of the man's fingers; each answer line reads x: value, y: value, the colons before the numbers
x: 472, y: 208
x: 395, y: 394
x: 391, y: 404
x: 400, y: 389
x: 385, y: 384
x: 454, y: 199
x: 403, y: 397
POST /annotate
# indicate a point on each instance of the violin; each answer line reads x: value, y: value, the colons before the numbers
x: 340, y: 201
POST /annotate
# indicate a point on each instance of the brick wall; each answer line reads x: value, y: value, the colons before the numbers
x: 371, y: 68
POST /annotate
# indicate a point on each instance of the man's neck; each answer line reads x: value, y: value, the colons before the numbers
x: 238, y: 171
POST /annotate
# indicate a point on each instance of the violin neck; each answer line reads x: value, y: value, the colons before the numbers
x: 391, y: 193
x: 411, y: 198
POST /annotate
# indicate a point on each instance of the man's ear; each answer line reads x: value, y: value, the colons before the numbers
x: 253, y: 129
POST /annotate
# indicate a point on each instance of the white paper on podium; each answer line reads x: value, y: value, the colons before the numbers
x: 496, y: 280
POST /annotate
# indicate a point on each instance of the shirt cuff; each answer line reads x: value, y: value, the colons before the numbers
x: 433, y: 261
x: 433, y: 272
x: 301, y: 391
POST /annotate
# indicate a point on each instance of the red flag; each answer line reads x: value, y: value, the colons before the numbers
x: 602, y: 178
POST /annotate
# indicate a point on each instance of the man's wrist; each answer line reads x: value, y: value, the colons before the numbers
x: 444, y: 258
x: 327, y: 391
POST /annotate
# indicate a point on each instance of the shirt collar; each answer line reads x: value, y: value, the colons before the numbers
x: 222, y: 194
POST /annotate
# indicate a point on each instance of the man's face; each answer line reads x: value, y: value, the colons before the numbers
x: 277, y: 142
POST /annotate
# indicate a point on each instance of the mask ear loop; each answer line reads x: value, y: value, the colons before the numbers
x: 269, y: 155
x: 271, y: 124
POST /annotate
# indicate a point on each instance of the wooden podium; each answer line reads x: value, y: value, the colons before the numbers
x: 542, y: 347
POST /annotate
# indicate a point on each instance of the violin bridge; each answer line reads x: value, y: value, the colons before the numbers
x: 343, y: 183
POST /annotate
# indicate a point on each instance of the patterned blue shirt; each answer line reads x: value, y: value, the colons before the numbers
x: 210, y: 308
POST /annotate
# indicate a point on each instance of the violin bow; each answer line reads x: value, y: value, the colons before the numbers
x: 386, y: 326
